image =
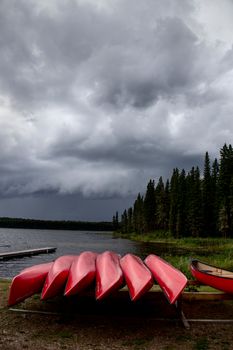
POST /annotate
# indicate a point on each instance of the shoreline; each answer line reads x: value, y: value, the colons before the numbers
x: 72, y: 225
x: 84, y: 324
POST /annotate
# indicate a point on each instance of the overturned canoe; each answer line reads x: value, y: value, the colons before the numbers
x: 138, y: 277
x: 81, y: 274
x: 109, y: 276
x: 57, y: 277
x: 171, y: 280
x: 212, y: 276
x: 30, y: 281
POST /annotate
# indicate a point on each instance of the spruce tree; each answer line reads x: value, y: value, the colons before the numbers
x: 194, y: 204
x: 215, y: 195
x: 115, y: 222
x: 181, y: 210
x: 149, y: 207
x: 160, y: 214
x: 225, y: 179
x: 187, y: 205
x: 167, y: 205
x: 138, y: 215
x: 208, y: 199
x: 130, y: 220
x: 124, y: 222
x: 173, y: 214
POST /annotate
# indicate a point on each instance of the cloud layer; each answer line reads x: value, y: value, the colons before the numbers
x: 97, y: 97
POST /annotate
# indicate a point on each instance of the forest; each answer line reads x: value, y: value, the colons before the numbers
x: 54, y: 225
x: 186, y: 205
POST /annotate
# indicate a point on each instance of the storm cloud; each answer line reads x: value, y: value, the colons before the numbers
x: 96, y: 97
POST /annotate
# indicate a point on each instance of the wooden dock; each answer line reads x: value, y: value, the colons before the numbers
x: 28, y: 252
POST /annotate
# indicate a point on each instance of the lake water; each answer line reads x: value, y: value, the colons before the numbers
x: 67, y: 242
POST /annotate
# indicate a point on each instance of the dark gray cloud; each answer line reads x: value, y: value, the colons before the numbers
x: 98, y: 97
x: 73, y: 207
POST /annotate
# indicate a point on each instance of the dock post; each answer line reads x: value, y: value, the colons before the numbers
x: 180, y: 313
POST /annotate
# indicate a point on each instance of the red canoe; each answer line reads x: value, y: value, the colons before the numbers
x: 29, y: 282
x: 138, y: 278
x: 212, y: 276
x: 82, y: 273
x: 171, y: 280
x: 57, y: 277
x: 109, y: 276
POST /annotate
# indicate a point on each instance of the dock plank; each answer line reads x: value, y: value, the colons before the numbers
x: 27, y: 252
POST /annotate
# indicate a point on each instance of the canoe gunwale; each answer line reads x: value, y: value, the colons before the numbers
x: 193, y: 265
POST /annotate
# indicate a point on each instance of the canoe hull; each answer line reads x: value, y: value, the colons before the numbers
x: 81, y: 274
x: 109, y: 276
x: 171, y: 280
x: 137, y: 276
x: 30, y: 281
x: 218, y: 282
x: 57, y: 277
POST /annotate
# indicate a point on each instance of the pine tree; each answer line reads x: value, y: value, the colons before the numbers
x: 160, y: 214
x: 231, y: 206
x: 215, y: 195
x: 181, y: 211
x: 115, y: 222
x: 194, y: 205
x: 187, y: 205
x: 225, y: 179
x: 138, y: 218
x: 208, y: 199
x: 167, y: 205
x: 149, y: 207
x: 124, y: 222
x: 223, y: 221
x: 130, y: 220
x: 173, y: 214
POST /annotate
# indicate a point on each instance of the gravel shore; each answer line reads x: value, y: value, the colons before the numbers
x: 117, y: 323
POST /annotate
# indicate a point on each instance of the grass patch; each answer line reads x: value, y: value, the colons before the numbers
x: 137, y: 343
x: 215, y: 251
x: 201, y: 344
x: 65, y: 334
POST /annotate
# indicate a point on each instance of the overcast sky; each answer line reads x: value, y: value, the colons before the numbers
x: 99, y: 96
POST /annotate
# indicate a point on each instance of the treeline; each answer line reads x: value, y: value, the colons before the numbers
x: 186, y: 204
x: 55, y: 225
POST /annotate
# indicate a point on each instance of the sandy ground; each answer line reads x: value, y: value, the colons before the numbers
x: 117, y: 323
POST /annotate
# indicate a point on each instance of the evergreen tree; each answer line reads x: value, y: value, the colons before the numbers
x: 130, y: 220
x: 138, y: 219
x: 231, y: 206
x: 181, y: 211
x: 215, y: 195
x: 124, y: 222
x: 149, y: 207
x: 208, y: 199
x: 174, y: 187
x: 194, y: 205
x: 225, y: 180
x: 167, y: 205
x: 187, y: 205
x: 160, y: 214
x: 115, y: 222
x: 223, y: 221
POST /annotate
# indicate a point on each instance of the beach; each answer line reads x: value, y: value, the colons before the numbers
x: 80, y: 323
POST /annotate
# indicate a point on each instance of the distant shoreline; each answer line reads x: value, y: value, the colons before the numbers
x: 6, y: 222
